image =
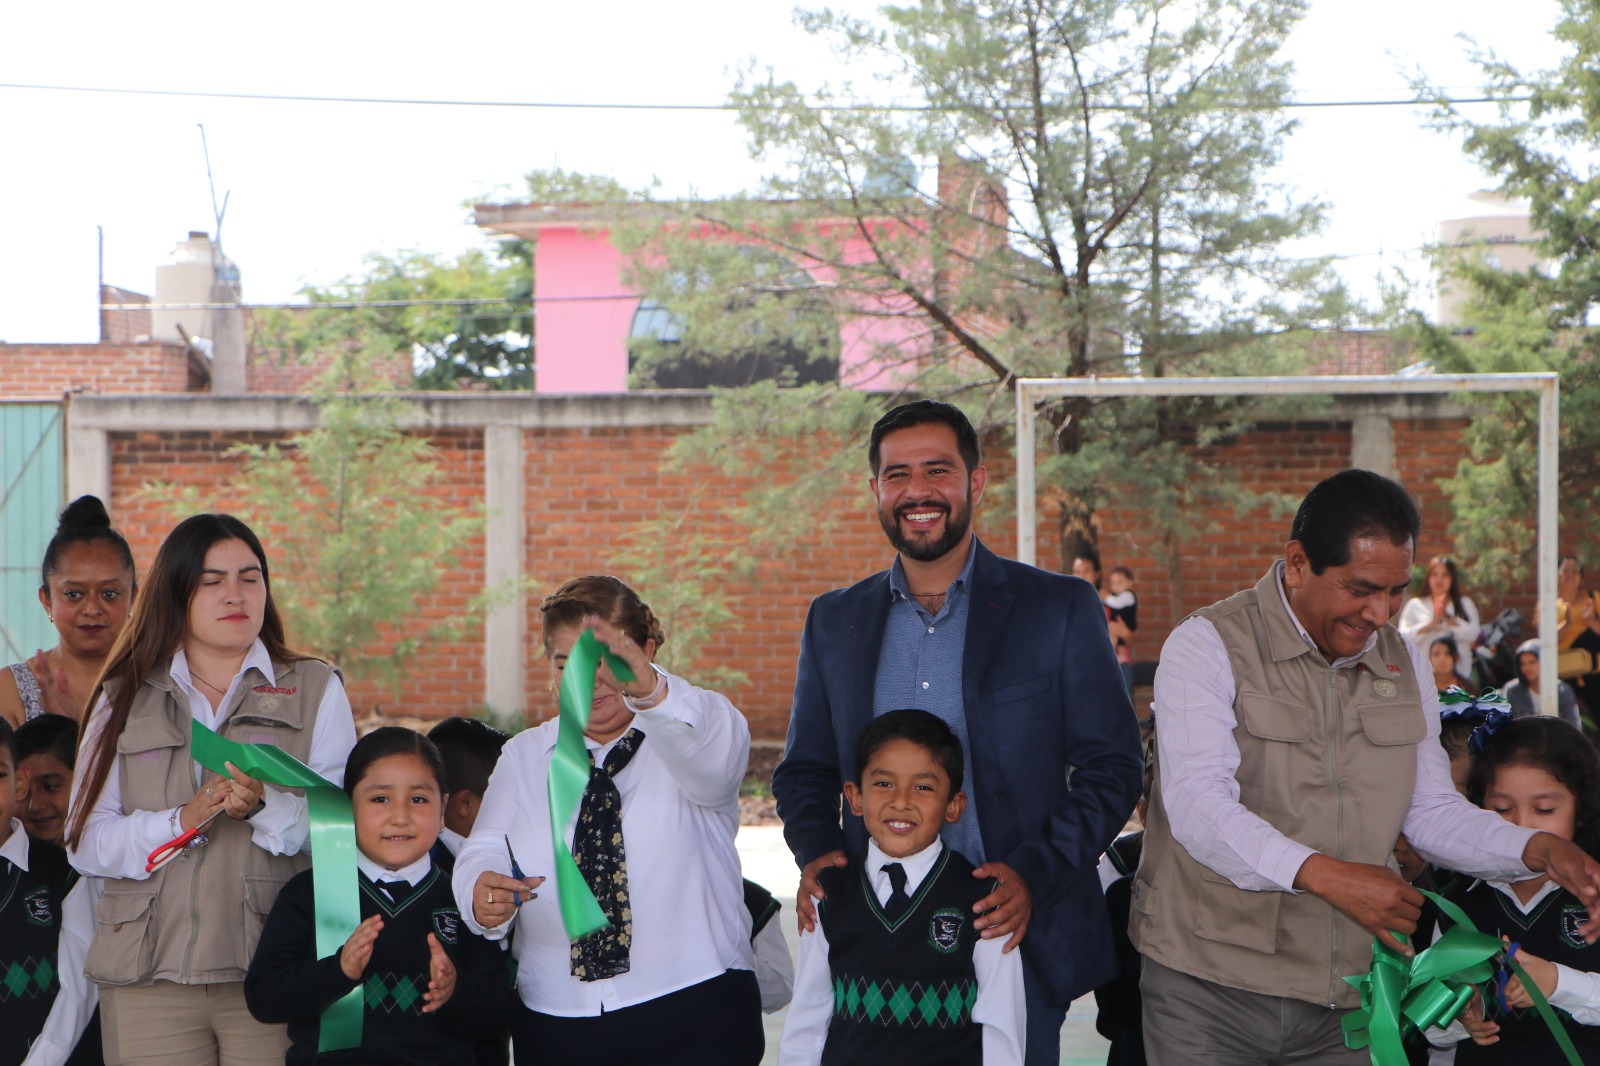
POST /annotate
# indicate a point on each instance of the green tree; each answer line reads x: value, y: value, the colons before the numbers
x: 1541, y: 146
x: 1065, y: 190
x: 356, y: 534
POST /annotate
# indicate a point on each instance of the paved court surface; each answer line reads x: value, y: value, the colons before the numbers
x: 768, y: 862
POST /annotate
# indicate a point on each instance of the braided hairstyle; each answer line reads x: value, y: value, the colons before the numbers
x: 603, y: 596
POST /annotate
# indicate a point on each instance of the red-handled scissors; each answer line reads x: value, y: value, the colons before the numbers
x: 192, y: 838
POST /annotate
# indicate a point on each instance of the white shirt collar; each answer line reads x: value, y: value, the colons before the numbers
x: 1505, y: 889
x: 412, y: 874
x: 916, y: 866
x: 257, y: 657
x: 452, y: 840
x: 16, y: 846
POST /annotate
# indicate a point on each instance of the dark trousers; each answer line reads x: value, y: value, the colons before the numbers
x: 713, y: 1023
x: 1042, y: 1045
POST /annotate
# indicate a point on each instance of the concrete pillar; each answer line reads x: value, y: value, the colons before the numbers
x: 505, y: 629
x: 1372, y: 444
x: 89, y: 464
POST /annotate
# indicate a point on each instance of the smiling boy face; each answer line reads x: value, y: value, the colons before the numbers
x: 904, y: 798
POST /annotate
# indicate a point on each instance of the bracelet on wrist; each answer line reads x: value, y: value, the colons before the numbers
x: 650, y: 701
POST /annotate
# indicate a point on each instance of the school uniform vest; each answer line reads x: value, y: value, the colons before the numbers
x: 903, y: 990
x: 1329, y: 758
x: 1549, y: 931
x: 30, y: 930
x: 197, y: 919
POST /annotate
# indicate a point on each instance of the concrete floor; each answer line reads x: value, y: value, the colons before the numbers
x: 767, y: 862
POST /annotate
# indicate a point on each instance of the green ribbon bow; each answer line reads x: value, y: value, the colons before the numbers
x: 569, y: 777
x: 1400, y: 994
x: 335, y: 888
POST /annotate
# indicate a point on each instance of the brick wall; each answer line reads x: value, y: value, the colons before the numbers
x: 586, y: 489
x: 48, y: 371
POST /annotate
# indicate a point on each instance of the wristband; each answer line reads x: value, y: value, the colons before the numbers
x: 261, y: 805
x: 648, y: 702
x: 175, y: 819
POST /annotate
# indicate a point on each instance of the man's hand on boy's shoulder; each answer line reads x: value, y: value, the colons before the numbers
x: 805, y: 911
x: 1006, y: 909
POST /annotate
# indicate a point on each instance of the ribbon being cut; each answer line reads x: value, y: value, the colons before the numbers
x: 1401, y: 994
x: 335, y: 888
x: 570, y: 767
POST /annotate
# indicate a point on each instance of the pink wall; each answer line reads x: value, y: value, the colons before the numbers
x: 581, y: 337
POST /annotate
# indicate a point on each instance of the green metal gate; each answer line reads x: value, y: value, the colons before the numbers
x: 30, y: 497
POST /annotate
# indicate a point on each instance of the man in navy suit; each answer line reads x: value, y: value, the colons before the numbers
x: 1019, y: 662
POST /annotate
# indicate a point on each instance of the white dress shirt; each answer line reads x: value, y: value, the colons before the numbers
x: 1194, y: 694
x: 1000, y: 1007
x: 77, y: 996
x: 411, y: 875
x: 680, y: 811
x: 1414, y: 625
x: 116, y: 843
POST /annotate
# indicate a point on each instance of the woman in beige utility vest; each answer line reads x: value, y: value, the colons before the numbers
x: 205, y: 643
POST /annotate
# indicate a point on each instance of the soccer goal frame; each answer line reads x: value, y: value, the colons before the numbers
x: 1030, y: 391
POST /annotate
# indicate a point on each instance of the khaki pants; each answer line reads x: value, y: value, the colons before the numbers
x: 164, y: 1024
x: 1188, y: 1021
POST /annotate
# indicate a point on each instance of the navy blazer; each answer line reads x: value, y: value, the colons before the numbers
x: 1055, y: 746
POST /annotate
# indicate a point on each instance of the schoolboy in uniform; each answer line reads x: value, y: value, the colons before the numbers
x: 895, y: 971
x: 471, y: 749
x: 46, y: 922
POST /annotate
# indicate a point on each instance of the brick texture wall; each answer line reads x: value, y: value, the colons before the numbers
x: 586, y: 490
x: 49, y: 371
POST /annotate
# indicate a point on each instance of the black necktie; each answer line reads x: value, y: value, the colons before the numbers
x: 395, y: 890
x: 898, y: 900
x: 597, y: 849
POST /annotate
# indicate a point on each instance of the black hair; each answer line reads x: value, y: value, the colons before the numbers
x: 1091, y: 555
x: 1347, y: 507
x: 85, y: 521
x: 1455, y: 733
x: 1124, y: 571
x: 391, y: 740
x: 1449, y: 644
x: 919, y: 727
x: 926, y: 413
x: 470, y: 749
x: 49, y: 734
x: 8, y: 742
x: 1545, y: 742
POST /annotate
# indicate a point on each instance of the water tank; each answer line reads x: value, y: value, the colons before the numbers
x: 1492, y: 227
x: 199, y: 274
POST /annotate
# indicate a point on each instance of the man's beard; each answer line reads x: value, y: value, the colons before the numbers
x: 956, y: 524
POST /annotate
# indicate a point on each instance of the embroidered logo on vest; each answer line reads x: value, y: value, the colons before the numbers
x: 1385, y: 688
x: 272, y: 690
x: 1572, y: 916
x: 37, y: 908
x: 447, y: 925
x: 944, y: 929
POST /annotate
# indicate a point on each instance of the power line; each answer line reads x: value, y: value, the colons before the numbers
x: 572, y: 105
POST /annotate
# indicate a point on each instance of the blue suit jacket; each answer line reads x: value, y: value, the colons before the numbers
x: 1043, y: 697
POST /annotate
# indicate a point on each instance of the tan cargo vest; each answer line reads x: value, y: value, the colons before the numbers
x: 197, y: 919
x: 1329, y: 758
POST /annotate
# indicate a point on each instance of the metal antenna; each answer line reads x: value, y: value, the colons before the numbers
x: 216, y: 212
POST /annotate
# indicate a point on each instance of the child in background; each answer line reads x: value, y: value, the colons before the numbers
x: 897, y: 922
x: 430, y: 985
x: 46, y: 922
x: 470, y: 749
x: 1534, y: 775
x: 1121, y: 599
x: 47, y: 750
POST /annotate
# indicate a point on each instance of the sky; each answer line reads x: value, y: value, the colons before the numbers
x: 313, y: 187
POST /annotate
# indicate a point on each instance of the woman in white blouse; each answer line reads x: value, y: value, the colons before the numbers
x: 670, y: 980
x: 204, y: 644
x: 1444, y: 611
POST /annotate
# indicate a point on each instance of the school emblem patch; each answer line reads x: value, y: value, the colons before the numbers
x: 447, y: 925
x: 1572, y: 916
x: 944, y: 929
x: 38, y: 909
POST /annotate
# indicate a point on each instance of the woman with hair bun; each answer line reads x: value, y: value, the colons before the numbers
x: 86, y: 589
x: 669, y: 981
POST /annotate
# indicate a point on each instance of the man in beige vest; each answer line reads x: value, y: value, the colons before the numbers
x: 1298, y: 737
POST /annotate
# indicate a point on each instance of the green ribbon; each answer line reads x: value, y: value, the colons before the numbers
x: 569, y: 777
x: 335, y: 887
x: 1400, y: 993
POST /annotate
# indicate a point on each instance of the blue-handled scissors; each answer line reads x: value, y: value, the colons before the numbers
x: 516, y: 871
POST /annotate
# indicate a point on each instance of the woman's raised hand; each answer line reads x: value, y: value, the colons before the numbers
x: 627, y: 649
x: 211, y: 798
x: 496, y: 897
x: 243, y: 794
